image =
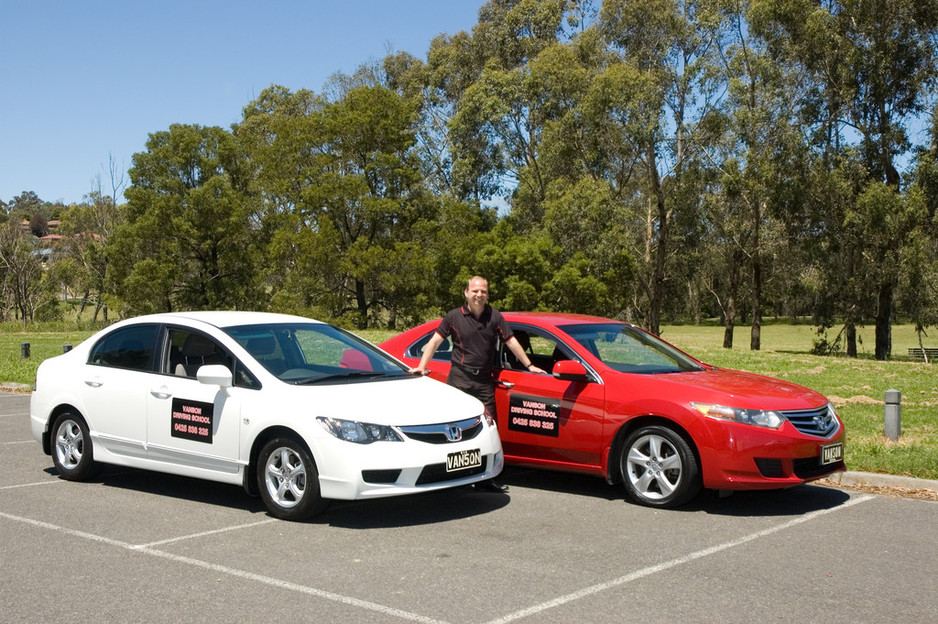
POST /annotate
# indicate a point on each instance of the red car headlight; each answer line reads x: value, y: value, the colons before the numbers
x: 769, y: 419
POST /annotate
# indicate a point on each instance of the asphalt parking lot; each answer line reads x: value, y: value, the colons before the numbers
x: 135, y: 546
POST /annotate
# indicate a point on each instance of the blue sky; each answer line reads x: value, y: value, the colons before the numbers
x: 84, y: 81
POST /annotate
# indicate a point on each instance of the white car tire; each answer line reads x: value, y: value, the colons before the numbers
x: 288, y: 480
x: 72, y: 451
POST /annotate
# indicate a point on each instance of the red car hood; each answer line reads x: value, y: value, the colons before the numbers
x: 734, y: 388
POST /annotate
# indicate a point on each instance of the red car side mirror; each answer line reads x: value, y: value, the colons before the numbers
x: 570, y: 370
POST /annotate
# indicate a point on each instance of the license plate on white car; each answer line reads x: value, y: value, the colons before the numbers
x: 461, y: 460
x: 832, y: 453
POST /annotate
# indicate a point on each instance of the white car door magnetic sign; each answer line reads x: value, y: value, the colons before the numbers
x: 192, y: 420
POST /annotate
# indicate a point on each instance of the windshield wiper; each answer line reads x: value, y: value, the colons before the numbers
x: 344, y: 376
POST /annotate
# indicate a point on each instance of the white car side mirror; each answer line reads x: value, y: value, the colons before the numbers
x: 214, y: 375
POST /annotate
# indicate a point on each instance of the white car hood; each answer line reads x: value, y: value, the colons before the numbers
x: 400, y: 402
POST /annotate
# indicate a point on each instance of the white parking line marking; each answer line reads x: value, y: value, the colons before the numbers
x: 22, y: 485
x: 661, y: 567
x: 390, y: 611
x: 17, y: 442
x: 214, y: 567
x: 204, y: 533
x: 312, y: 591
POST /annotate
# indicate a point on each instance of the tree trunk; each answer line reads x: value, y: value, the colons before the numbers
x: 362, y: 303
x: 850, y: 334
x: 884, y: 321
x: 755, y: 334
x: 729, y: 322
x: 84, y: 302
x: 657, y: 281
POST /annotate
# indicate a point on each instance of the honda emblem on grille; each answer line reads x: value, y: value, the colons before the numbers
x: 822, y: 422
x: 453, y: 433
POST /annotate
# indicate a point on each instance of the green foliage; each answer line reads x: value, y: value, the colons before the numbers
x: 25, y: 288
x: 655, y: 161
x: 188, y: 241
x: 343, y: 195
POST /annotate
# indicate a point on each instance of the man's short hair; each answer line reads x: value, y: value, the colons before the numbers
x: 477, y: 277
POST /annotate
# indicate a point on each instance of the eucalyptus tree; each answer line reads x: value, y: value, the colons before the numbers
x: 759, y: 149
x: 581, y: 212
x: 664, y: 93
x: 26, y: 204
x: 919, y: 282
x: 341, y: 195
x: 23, y: 282
x: 873, y: 63
x: 87, y: 228
x: 188, y: 240
x: 481, y: 130
x: 495, y: 123
x: 280, y: 135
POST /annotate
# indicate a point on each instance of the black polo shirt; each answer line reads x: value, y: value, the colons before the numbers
x: 474, y: 338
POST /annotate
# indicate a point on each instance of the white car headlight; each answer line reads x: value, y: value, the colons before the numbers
x: 760, y: 418
x: 358, y: 432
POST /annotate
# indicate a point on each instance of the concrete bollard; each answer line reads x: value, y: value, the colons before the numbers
x: 893, y: 423
x: 24, y: 349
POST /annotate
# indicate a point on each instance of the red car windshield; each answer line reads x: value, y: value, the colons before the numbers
x: 627, y: 349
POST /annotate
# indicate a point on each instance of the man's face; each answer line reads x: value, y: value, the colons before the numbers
x: 477, y: 294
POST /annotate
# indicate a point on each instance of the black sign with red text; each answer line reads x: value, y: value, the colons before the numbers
x: 532, y: 414
x: 192, y: 420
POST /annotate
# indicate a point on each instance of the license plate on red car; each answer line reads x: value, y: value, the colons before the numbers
x: 461, y: 460
x: 832, y: 453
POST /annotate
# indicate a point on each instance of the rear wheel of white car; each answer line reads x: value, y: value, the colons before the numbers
x: 288, y: 480
x: 659, y: 468
x: 71, y: 448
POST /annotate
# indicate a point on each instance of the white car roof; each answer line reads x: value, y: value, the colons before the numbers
x: 224, y: 318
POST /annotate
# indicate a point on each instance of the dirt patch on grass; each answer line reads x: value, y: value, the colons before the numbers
x: 860, y: 399
x: 891, y: 492
x: 16, y: 387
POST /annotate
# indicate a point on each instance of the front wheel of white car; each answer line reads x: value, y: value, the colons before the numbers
x: 288, y: 480
x: 659, y: 467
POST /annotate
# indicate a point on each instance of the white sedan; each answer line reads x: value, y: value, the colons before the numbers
x: 295, y: 410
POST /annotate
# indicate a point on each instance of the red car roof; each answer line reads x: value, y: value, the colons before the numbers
x: 556, y: 318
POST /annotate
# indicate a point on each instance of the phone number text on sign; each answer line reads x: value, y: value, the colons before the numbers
x: 534, y: 415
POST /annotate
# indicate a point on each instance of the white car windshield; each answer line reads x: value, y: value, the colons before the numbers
x: 628, y: 349
x: 309, y: 353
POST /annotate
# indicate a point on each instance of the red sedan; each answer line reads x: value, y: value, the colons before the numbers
x: 627, y: 406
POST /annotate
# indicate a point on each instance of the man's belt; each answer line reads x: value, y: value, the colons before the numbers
x: 475, y: 372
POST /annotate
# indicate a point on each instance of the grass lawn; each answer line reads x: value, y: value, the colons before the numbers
x: 857, y: 387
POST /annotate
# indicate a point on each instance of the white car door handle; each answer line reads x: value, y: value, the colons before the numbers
x: 94, y: 383
x: 161, y: 393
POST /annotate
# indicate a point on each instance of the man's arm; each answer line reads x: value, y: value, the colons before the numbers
x: 435, y: 341
x: 518, y: 350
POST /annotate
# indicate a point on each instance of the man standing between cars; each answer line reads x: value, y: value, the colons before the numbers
x: 475, y: 328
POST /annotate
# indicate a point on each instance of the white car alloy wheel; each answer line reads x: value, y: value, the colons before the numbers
x: 286, y: 477
x: 71, y: 448
x: 288, y: 480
